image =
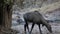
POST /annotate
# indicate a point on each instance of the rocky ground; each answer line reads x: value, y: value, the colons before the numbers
x: 55, y: 29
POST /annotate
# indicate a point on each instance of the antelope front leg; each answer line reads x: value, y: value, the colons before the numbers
x: 40, y: 29
x: 31, y: 28
x: 25, y: 28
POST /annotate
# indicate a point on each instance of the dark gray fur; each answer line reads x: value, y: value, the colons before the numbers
x: 35, y: 18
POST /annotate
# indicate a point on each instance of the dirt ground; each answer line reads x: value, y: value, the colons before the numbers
x: 55, y: 29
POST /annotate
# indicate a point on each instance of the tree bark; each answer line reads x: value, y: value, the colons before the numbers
x: 5, y: 17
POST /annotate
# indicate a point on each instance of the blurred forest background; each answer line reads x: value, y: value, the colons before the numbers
x: 50, y: 9
x: 10, y: 10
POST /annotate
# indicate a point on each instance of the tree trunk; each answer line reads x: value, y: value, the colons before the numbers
x: 5, y: 17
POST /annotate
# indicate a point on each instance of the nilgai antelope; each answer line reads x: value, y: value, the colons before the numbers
x: 35, y: 18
